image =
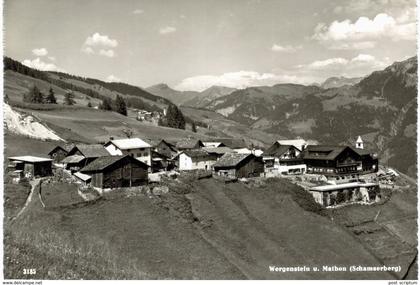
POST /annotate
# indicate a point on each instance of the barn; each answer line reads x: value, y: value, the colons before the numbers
x: 116, y: 172
x: 83, y: 154
x: 32, y: 166
x: 165, y: 148
x: 239, y: 165
x: 58, y: 153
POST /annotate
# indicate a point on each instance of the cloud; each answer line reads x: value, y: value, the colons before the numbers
x: 286, y: 49
x: 167, y: 30
x: 88, y: 50
x: 357, y: 66
x: 240, y: 79
x: 52, y: 58
x: 40, y: 51
x: 99, y: 44
x: 138, y: 12
x: 107, y: 53
x: 37, y: 63
x: 101, y: 40
x: 364, y: 32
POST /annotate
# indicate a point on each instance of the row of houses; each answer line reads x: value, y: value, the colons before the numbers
x: 128, y: 162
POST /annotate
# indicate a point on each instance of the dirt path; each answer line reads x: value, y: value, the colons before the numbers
x: 34, y: 183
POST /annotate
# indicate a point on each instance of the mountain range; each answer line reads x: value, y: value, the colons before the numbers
x: 381, y: 108
x: 189, y: 98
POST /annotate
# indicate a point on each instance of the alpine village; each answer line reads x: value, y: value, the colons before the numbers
x: 127, y: 182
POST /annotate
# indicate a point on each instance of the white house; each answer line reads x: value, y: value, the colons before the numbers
x: 135, y: 147
x: 196, y: 159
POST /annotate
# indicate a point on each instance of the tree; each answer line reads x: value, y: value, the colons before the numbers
x: 106, y: 104
x: 120, y: 106
x: 89, y: 104
x: 68, y: 98
x: 193, y: 127
x: 34, y: 96
x: 174, y: 118
x: 51, y: 97
x: 6, y: 98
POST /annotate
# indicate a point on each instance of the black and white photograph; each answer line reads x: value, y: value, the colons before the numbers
x: 209, y: 140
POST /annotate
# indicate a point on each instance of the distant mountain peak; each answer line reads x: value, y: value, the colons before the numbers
x: 339, y: 81
x: 161, y: 86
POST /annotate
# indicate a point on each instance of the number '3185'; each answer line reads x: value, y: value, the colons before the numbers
x: 29, y: 271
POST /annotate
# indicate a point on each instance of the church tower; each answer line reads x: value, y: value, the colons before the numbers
x: 359, y: 143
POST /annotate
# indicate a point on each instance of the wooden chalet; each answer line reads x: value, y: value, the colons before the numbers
x: 58, y: 153
x: 284, y: 159
x: 165, y: 148
x: 116, y: 172
x: 31, y: 166
x: 83, y: 154
x: 239, y: 165
x: 338, y: 161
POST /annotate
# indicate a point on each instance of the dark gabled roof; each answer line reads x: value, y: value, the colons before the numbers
x: 65, y: 147
x: 91, y: 150
x: 362, y: 152
x: 278, y: 149
x: 170, y: 145
x: 195, y: 153
x: 232, y: 142
x: 103, y: 162
x: 188, y: 144
x: 231, y: 159
x: 324, y: 152
x: 217, y: 150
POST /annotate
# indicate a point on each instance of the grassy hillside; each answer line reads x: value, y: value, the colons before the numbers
x: 201, y: 229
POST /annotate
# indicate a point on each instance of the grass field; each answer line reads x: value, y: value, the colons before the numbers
x: 19, y: 145
x: 200, y: 230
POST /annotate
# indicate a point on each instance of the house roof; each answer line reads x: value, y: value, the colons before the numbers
x: 105, y: 161
x: 29, y: 158
x: 73, y: 159
x: 278, y: 150
x: 83, y: 177
x: 130, y: 143
x: 231, y: 159
x: 362, y: 152
x: 91, y: 150
x: 195, y: 153
x: 324, y: 152
x: 332, y: 187
x: 66, y: 147
x: 213, y: 144
x: 359, y: 139
x: 186, y: 144
x: 298, y: 143
x: 217, y: 150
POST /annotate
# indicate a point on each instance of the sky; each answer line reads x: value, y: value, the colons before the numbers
x: 194, y: 44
